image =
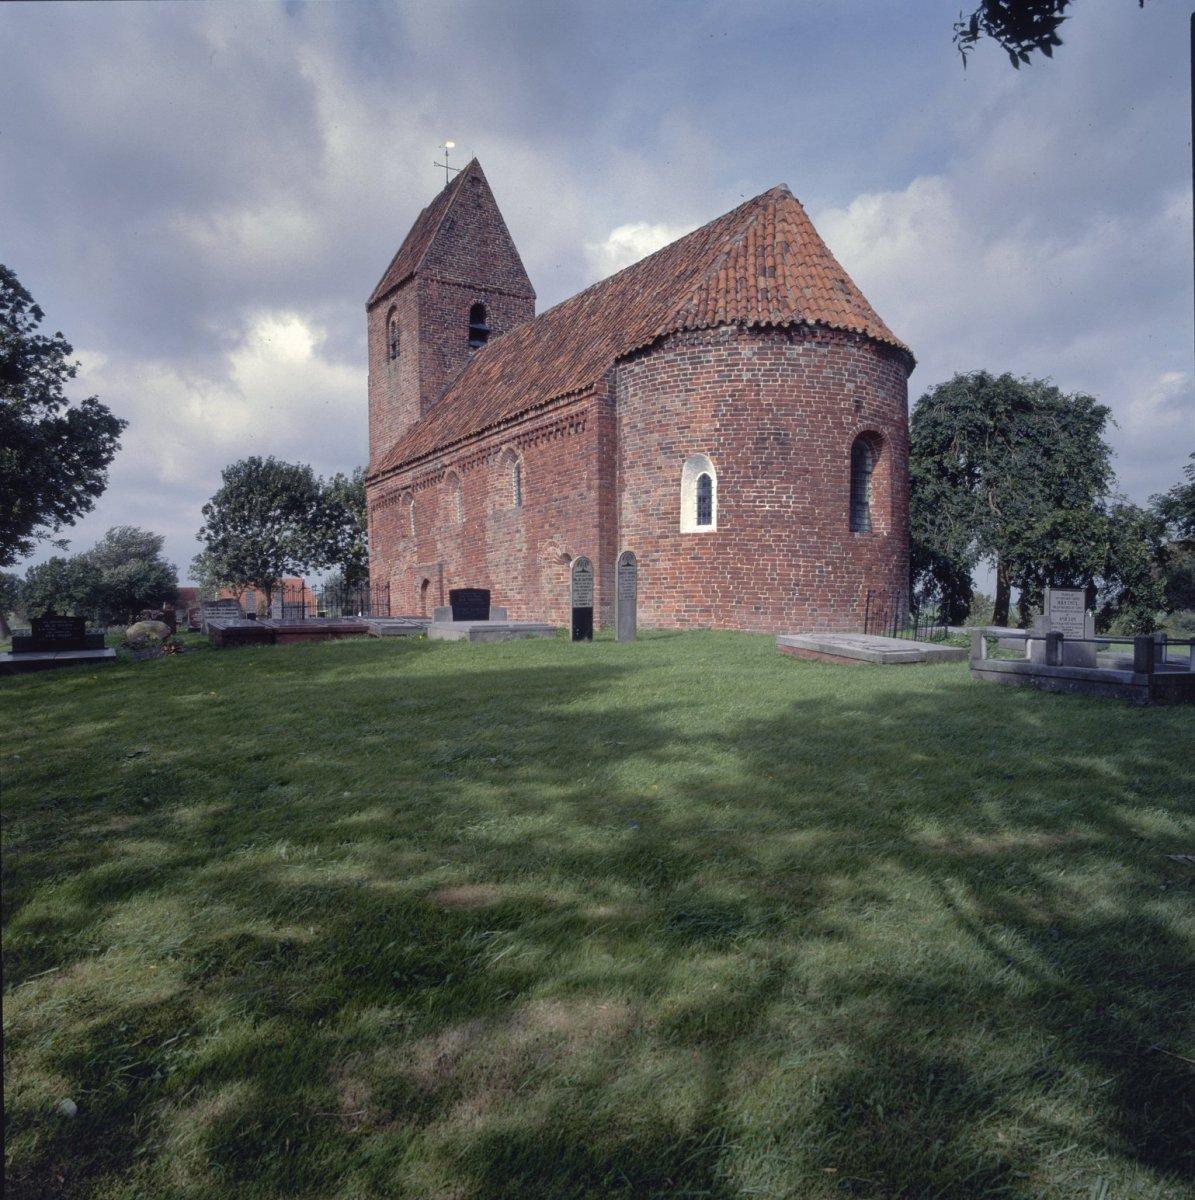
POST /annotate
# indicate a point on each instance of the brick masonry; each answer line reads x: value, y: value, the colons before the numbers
x: 776, y: 409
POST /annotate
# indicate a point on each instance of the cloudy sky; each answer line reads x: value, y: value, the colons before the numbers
x: 201, y: 196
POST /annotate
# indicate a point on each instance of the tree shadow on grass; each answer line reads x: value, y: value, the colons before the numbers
x: 521, y: 931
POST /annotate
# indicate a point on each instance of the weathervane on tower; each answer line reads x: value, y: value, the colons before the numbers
x: 448, y: 171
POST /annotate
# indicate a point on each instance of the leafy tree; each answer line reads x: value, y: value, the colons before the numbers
x: 264, y: 522
x: 1176, y: 508
x: 62, y: 585
x: 53, y: 457
x: 11, y: 590
x: 1131, y: 588
x: 1021, y: 27
x: 204, y: 575
x: 343, y: 535
x: 1010, y: 470
x: 131, y: 573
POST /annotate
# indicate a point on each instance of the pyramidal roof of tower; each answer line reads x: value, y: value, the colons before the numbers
x: 418, y: 242
x: 761, y: 264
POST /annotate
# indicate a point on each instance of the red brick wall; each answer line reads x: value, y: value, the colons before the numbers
x: 521, y: 554
x: 776, y: 411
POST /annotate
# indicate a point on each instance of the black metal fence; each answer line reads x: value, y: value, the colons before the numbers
x: 895, y: 614
x: 302, y: 602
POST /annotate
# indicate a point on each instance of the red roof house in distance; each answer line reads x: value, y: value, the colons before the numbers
x: 730, y: 408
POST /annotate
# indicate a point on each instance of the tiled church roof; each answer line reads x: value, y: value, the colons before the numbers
x: 761, y: 264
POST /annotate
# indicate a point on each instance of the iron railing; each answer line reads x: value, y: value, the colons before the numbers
x: 302, y: 602
x: 895, y: 614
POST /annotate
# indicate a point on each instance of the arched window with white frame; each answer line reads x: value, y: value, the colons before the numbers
x: 698, y: 495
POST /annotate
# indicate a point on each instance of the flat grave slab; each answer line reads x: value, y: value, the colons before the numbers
x: 383, y: 627
x: 487, y: 631
x: 865, y: 648
x: 50, y: 660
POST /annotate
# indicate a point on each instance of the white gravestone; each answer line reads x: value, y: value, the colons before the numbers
x: 1066, y: 613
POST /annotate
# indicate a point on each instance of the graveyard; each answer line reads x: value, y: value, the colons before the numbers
x: 548, y: 918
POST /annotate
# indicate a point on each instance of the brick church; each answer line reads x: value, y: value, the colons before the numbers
x: 730, y: 408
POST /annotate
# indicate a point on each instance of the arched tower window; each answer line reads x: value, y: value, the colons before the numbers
x: 479, y: 329
x: 862, y: 465
x: 392, y: 336
x: 408, y: 515
x: 698, y: 495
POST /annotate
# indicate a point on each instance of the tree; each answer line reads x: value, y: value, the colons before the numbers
x: 62, y: 585
x: 1010, y: 470
x: 1021, y: 27
x: 263, y: 523
x: 53, y: 457
x: 11, y: 590
x: 343, y: 535
x: 1176, y: 509
x: 203, y: 573
x: 1131, y: 588
x: 1177, y: 506
x: 130, y: 573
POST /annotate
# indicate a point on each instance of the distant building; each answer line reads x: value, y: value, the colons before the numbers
x: 730, y: 408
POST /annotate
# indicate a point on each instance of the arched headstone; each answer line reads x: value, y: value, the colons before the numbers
x: 582, y: 599
x: 626, y: 596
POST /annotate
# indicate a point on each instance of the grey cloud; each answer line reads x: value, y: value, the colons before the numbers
x: 179, y: 173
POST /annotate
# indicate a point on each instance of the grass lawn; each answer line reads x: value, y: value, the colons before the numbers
x: 681, y: 918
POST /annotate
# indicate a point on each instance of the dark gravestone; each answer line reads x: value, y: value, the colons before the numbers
x: 582, y: 597
x: 52, y: 632
x: 626, y: 596
x: 470, y: 604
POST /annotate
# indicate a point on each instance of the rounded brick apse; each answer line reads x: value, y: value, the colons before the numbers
x: 776, y: 412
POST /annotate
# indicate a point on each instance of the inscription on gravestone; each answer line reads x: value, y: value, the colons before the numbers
x: 582, y: 598
x: 626, y: 596
x: 1065, y: 612
x: 52, y: 632
x: 470, y: 604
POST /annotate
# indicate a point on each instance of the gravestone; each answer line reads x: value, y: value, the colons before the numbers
x: 1065, y: 612
x: 582, y: 598
x: 469, y: 604
x: 52, y: 633
x: 626, y: 596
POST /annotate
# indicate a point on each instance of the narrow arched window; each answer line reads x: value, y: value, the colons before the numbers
x: 705, y: 499
x: 862, y: 465
x: 479, y: 329
x: 456, y: 505
x: 516, y: 484
x: 698, y: 495
x: 392, y: 335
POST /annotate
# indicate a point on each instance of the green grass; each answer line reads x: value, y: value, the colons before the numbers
x: 680, y: 918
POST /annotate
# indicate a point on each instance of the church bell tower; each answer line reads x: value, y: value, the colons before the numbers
x: 455, y: 285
